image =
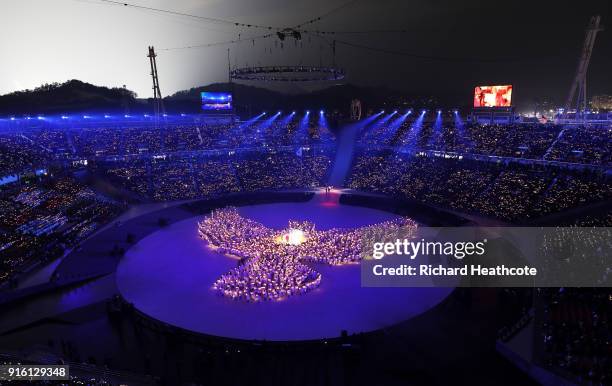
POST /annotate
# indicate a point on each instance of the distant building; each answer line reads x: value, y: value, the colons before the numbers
x: 601, y: 102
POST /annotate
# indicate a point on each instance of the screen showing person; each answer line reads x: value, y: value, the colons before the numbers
x: 493, y: 96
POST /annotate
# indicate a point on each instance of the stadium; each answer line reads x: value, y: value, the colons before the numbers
x: 227, y: 234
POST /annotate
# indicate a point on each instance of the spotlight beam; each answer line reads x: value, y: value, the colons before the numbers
x: 415, y: 130
x: 394, y: 134
x: 437, y: 130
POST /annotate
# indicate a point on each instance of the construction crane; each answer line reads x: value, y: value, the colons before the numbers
x: 579, y: 85
x: 158, y: 102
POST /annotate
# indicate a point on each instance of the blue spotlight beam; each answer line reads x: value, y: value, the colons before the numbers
x: 244, y: 125
x: 347, y: 137
x: 364, y: 122
x: 322, y: 120
x: 437, y: 130
x: 268, y: 122
x: 285, y: 121
x: 384, y: 119
x: 461, y: 132
x: 378, y: 128
x: 251, y: 121
x: 302, y: 129
x: 281, y: 127
x: 395, y: 133
x: 415, y: 130
x: 360, y: 125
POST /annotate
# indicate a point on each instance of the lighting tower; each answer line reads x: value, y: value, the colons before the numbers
x: 158, y: 103
x: 579, y: 83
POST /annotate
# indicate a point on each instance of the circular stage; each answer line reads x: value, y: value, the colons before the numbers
x: 168, y: 276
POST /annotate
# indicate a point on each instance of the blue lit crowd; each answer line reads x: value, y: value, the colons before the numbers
x: 510, y: 191
x: 498, y: 171
x: 59, y: 185
x: 42, y: 218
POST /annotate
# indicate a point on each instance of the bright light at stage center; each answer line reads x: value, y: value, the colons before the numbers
x: 292, y: 237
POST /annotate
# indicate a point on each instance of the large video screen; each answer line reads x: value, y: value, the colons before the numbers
x: 493, y: 96
x: 215, y: 101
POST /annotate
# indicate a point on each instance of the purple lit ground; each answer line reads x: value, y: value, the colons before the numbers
x: 168, y: 276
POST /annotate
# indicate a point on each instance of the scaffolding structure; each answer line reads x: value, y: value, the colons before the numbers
x: 579, y: 85
x: 158, y: 102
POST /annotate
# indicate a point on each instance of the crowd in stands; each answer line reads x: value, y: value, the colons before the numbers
x: 185, y: 161
x: 577, y: 144
x: 168, y: 138
x: 576, y: 333
x: 581, y: 144
x: 19, y: 153
x: 40, y: 218
x: 508, y: 191
x: 191, y: 176
x: 603, y: 219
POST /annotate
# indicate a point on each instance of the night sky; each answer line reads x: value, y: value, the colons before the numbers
x: 533, y: 45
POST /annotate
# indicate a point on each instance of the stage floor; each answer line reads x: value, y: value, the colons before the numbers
x: 168, y: 275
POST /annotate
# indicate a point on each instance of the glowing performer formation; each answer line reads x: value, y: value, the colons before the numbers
x: 272, y: 263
